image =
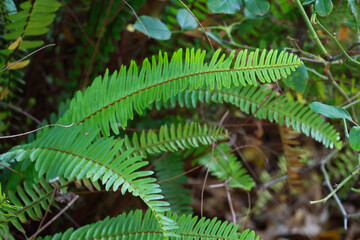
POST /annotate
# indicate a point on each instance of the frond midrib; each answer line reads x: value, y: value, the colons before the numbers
x: 181, y: 77
x: 176, y: 140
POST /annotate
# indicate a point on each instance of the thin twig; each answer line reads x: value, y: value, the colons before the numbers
x: 127, y: 4
x: 48, y: 208
x: 21, y: 111
x: 37, y: 50
x: 55, y: 217
x: 228, y: 196
x: 202, y: 27
x: 26, y: 133
x: 22, y: 176
x: 206, y: 176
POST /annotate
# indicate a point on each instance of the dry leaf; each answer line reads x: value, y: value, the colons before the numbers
x: 18, y: 65
x: 15, y: 44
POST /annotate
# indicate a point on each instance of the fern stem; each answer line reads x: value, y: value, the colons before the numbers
x: 333, y: 37
x: 311, y: 29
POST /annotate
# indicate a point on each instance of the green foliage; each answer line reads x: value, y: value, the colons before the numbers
x: 7, y: 214
x: 227, y: 6
x: 55, y: 155
x: 170, y: 174
x: 264, y: 103
x: 137, y: 226
x: 153, y: 27
x: 225, y: 166
x: 185, y: 19
x: 173, y: 139
x: 330, y: 111
x: 323, y: 7
x: 354, y: 138
x: 129, y: 90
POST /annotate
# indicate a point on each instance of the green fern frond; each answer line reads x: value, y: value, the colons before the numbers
x: 33, y: 20
x: 113, y: 99
x: 170, y: 174
x: 33, y: 198
x: 8, y: 213
x: 73, y: 153
x: 225, y: 166
x: 265, y: 104
x: 134, y: 226
x: 175, y: 139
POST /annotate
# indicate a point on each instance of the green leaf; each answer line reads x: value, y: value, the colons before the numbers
x: 307, y: 2
x: 153, y: 28
x: 323, y: 7
x: 224, y: 6
x: 258, y: 7
x: 185, y: 19
x: 297, y: 79
x: 330, y: 111
x: 354, y: 138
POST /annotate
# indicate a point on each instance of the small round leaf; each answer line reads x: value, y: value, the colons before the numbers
x: 323, y: 7
x: 224, y: 6
x: 258, y: 7
x: 354, y: 138
x: 330, y: 111
x: 153, y: 28
x: 185, y: 19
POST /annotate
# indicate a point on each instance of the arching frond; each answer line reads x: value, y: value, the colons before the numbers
x: 114, y: 98
x: 170, y: 174
x: 73, y: 153
x: 225, y: 166
x: 173, y: 139
x: 263, y: 103
x: 134, y: 225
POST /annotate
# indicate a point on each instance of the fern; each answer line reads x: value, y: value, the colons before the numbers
x: 265, y: 104
x: 170, y: 169
x: 32, y: 198
x: 33, y: 20
x: 225, y: 166
x: 180, y: 138
x: 74, y: 153
x: 111, y: 100
x: 136, y: 226
x: 7, y: 214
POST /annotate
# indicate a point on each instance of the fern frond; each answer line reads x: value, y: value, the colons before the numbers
x: 8, y: 213
x: 173, y: 139
x: 225, y: 166
x: 179, y: 197
x: 134, y: 226
x: 73, y: 153
x: 113, y: 99
x: 265, y: 104
x: 33, y: 20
